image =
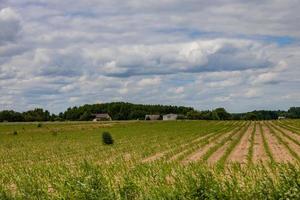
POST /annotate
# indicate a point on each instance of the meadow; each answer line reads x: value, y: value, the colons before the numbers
x: 151, y: 160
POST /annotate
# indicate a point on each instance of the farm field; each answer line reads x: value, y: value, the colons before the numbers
x: 151, y: 160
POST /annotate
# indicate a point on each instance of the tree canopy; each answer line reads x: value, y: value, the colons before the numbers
x: 129, y: 111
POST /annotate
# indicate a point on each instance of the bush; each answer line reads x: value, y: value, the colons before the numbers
x: 15, y: 133
x: 39, y: 125
x: 107, y: 138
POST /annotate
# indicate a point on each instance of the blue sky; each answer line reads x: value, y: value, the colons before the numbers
x: 205, y: 54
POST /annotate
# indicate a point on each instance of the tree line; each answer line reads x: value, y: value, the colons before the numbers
x: 129, y: 111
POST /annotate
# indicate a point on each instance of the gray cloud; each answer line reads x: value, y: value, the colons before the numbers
x: 58, y: 63
x: 191, y: 57
x: 10, y: 25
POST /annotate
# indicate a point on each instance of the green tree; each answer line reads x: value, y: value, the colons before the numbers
x: 222, y: 114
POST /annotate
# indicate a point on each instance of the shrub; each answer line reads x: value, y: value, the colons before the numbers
x: 39, y: 125
x: 107, y: 138
x: 15, y: 133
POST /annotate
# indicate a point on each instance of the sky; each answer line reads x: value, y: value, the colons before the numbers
x: 236, y: 54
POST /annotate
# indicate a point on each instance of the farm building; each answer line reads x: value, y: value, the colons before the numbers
x: 170, y: 116
x: 152, y: 117
x: 281, y: 117
x: 102, y: 117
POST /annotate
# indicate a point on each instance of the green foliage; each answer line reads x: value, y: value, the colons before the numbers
x: 293, y: 112
x: 122, y: 110
x: 129, y: 190
x: 129, y: 111
x: 214, y: 115
x: 88, y: 184
x: 222, y: 114
x: 15, y: 133
x: 39, y: 125
x: 86, y: 116
x: 107, y: 138
x: 37, y: 114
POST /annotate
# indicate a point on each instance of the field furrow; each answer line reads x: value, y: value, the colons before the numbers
x: 154, y: 157
x: 287, y: 132
x: 279, y: 151
x: 216, y: 151
x: 287, y: 127
x: 240, y: 152
x: 197, y: 155
x: 166, y: 154
x: 291, y: 145
x: 216, y: 156
x: 259, y: 153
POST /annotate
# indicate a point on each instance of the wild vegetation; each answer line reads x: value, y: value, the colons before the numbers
x: 151, y: 160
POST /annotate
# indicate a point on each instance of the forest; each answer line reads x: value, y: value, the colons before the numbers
x: 129, y: 111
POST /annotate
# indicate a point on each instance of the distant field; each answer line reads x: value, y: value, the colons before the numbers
x: 151, y: 160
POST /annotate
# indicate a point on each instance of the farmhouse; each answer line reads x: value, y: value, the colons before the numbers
x: 102, y: 117
x: 170, y: 116
x: 152, y: 117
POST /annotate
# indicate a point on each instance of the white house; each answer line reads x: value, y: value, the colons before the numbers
x: 170, y: 116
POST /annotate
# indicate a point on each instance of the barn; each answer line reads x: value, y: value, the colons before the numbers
x: 152, y: 117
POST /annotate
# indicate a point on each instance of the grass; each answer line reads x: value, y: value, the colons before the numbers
x: 75, y: 164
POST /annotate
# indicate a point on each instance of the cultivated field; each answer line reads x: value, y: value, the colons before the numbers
x: 151, y: 160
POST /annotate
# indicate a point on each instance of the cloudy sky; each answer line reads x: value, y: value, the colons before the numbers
x: 241, y: 55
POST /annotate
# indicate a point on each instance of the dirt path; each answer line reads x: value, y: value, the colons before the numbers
x: 240, y: 152
x: 200, y: 152
x: 279, y: 152
x: 259, y: 153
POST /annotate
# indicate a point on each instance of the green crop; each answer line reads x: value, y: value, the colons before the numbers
x: 67, y: 160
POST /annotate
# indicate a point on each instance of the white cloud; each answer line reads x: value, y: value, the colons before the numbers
x: 179, y: 90
x: 145, y: 82
x: 253, y: 92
